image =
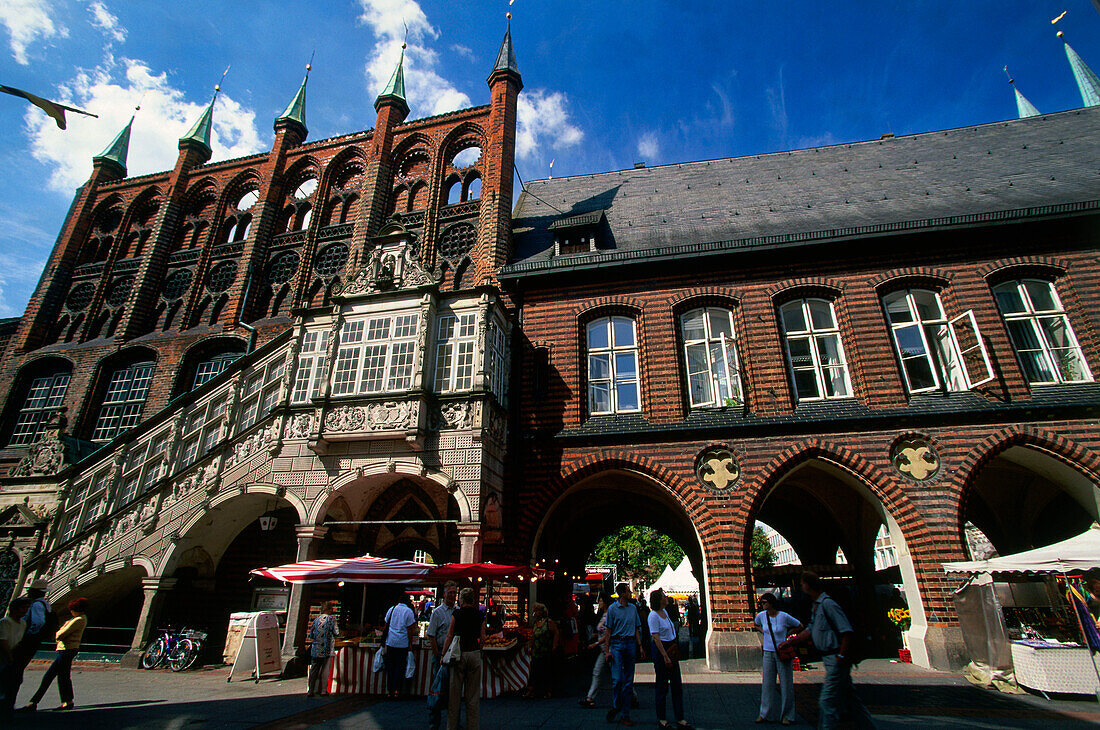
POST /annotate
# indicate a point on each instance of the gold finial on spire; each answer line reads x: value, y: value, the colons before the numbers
x: 1059, y: 17
x: 1010, y: 79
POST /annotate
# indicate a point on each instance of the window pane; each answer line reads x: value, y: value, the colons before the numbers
x: 1041, y: 295
x: 699, y: 387
x: 598, y: 338
x: 625, y: 366
x: 378, y: 329
x: 939, y: 337
x: 627, y: 394
x: 374, y: 366
x: 835, y: 384
x: 464, y: 366
x: 805, y: 384
x: 909, y: 341
x: 800, y: 352
x: 623, y: 331
x: 828, y: 350
x: 599, y: 397
x: 919, y: 372
x: 897, y: 308
x: 821, y: 314
x: 693, y: 326
x: 599, y: 367
x: 793, y: 319
x: 401, y: 365
x: 928, y: 305
x: 1066, y: 356
x: 720, y: 323
x: 1008, y: 298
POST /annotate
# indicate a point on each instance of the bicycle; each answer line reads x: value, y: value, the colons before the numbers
x: 180, y: 648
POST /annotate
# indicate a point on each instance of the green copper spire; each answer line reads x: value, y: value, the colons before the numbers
x: 1087, y: 83
x: 1024, y: 107
x: 295, y: 113
x: 200, y: 132
x: 506, y: 56
x: 394, y: 92
x: 116, y: 151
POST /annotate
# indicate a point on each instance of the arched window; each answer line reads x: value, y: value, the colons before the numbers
x: 123, y: 400
x: 239, y: 222
x: 1041, y: 333
x: 299, y: 209
x: 43, y: 394
x: 612, y: 366
x: 814, y: 350
x: 453, y: 190
x: 473, y: 188
x: 710, y: 354
x: 418, y: 196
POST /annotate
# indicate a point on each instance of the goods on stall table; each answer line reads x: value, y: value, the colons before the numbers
x: 499, y: 643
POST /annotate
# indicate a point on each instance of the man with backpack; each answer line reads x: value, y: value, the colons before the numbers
x: 42, y: 624
x: 833, y: 635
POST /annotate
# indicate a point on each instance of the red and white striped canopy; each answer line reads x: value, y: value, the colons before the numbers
x: 365, y: 569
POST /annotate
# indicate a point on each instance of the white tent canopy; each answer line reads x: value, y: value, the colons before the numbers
x: 1075, y: 554
x: 679, y: 581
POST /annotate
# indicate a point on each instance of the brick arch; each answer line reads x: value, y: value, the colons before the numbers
x: 240, y: 184
x: 601, y: 305
x: 784, y: 291
x: 910, y: 276
x: 206, y: 187
x: 705, y: 296
x: 415, y: 142
x: 1043, y: 266
x: 343, y: 160
x: 1069, y: 452
x: 142, y: 201
x: 463, y: 136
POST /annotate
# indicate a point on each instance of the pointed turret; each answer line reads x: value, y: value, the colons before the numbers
x: 198, y: 137
x: 506, y: 58
x: 394, y: 93
x: 114, y: 157
x: 295, y: 114
x: 1024, y: 107
x: 1087, y: 82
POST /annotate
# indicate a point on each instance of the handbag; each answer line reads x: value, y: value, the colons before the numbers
x: 454, y: 651
x: 785, y: 654
x: 672, y: 648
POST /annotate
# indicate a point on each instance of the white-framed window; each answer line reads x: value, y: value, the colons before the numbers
x: 1041, y: 333
x: 935, y: 353
x: 44, y: 395
x: 146, y: 463
x: 455, y: 346
x: 91, y: 498
x: 122, y: 404
x: 499, y: 369
x: 311, y: 361
x: 613, y: 385
x: 710, y: 355
x: 203, y: 428
x: 815, y: 352
x: 207, y: 370
x: 260, y: 393
x: 376, y: 355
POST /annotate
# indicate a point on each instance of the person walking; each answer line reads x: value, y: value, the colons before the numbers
x: 589, y: 701
x: 68, y: 643
x: 692, y: 611
x: 545, y: 641
x: 400, y: 633
x: 666, y: 660
x: 622, y: 647
x: 775, y: 623
x: 11, y: 631
x: 832, y: 634
x: 468, y: 628
x: 322, y: 636
x: 438, y: 627
x: 41, y: 624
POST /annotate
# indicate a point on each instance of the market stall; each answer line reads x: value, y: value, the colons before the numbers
x: 1052, y: 645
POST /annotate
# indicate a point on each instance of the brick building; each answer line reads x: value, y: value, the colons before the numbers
x: 899, y: 333
x: 312, y: 334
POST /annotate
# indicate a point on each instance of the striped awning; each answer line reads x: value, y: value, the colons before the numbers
x: 364, y: 569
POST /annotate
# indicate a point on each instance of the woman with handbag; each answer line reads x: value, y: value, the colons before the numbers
x: 776, y: 625
x: 468, y: 631
x: 666, y: 660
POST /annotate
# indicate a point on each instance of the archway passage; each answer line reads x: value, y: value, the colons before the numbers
x: 1025, y: 499
x: 598, y: 506
x: 114, y: 604
x: 825, y: 513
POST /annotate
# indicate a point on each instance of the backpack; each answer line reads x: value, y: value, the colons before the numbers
x: 857, y: 649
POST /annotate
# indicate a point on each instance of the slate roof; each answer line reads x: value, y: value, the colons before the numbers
x: 1044, y: 165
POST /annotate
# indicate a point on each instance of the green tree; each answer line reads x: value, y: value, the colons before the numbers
x: 761, y: 554
x: 638, y: 552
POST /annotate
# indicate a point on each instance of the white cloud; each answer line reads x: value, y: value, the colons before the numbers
x: 28, y: 21
x: 427, y: 92
x: 464, y: 51
x: 111, y: 91
x: 105, y: 21
x: 542, y: 118
x: 648, y: 147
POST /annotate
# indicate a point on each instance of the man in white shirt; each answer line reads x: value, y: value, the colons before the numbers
x: 437, y: 634
x: 400, y: 633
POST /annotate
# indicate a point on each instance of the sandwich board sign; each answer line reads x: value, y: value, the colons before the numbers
x: 259, y: 651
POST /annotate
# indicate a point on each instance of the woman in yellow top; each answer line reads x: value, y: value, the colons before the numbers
x: 68, y: 643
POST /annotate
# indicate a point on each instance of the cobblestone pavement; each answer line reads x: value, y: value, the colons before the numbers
x: 900, y: 696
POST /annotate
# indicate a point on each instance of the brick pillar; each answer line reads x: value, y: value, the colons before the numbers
x: 378, y: 175
x: 155, y: 590
x: 494, y: 240
x: 297, y: 610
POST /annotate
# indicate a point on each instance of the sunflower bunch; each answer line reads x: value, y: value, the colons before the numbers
x: 900, y: 617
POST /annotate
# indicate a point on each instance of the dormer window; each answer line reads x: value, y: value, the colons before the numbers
x: 577, y: 234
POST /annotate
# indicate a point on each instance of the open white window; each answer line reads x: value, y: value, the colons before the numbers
x: 968, y: 343
x: 814, y: 349
x: 1041, y: 333
x: 710, y: 354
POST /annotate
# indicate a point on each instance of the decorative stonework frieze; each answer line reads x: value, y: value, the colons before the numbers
x: 717, y: 468
x: 460, y: 415
x: 258, y: 441
x: 915, y: 458
x: 386, y: 416
x: 47, y: 455
x: 387, y: 269
x: 298, y: 426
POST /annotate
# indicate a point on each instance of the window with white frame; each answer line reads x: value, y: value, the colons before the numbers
x: 260, y: 393
x: 815, y: 353
x: 207, y: 370
x: 311, y: 362
x: 1041, y: 333
x: 498, y: 362
x: 612, y: 366
x: 44, y: 395
x: 376, y: 355
x: 123, y: 401
x: 455, y: 346
x: 710, y: 355
x: 203, y: 429
x: 935, y: 353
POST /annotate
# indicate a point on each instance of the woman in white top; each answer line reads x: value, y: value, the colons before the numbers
x: 776, y: 625
x: 666, y: 660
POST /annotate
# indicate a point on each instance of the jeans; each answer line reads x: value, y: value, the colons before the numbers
x: 318, y: 683
x: 597, y: 672
x: 667, y: 676
x: 773, y: 708
x: 623, y: 655
x: 837, y: 693
x: 61, y: 667
x: 395, y: 661
x: 465, y: 684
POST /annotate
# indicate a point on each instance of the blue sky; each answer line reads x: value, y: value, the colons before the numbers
x: 606, y: 83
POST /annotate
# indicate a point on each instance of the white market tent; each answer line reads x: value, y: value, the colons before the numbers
x: 679, y: 581
x: 1076, y: 554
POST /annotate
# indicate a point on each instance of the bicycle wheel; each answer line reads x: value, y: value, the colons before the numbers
x: 155, y: 653
x: 182, y: 656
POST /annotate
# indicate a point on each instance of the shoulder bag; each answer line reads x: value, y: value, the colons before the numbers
x: 672, y: 648
x: 785, y: 654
